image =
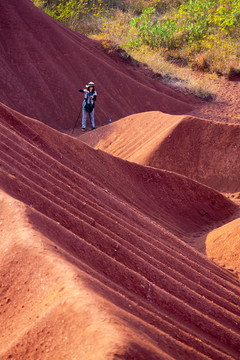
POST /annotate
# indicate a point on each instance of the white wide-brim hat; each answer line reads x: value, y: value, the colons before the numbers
x: 90, y: 84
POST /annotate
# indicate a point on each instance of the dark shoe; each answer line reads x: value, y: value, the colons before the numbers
x: 83, y: 129
x: 93, y: 128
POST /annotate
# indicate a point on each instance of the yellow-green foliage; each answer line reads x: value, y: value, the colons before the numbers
x: 74, y: 12
x: 66, y: 11
x: 80, y: 15
x: 117, y: 30
x: 211, y: 27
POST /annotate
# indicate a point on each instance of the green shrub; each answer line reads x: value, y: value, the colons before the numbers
x: 145, y: 29
x: 198, y: 30
x: 194, y: 20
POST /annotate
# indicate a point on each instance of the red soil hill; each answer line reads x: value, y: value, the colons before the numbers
x: 113, y: 225
x: 43, y: 64
x: 96, y: 261
x: 223, y: 245
x: 203, y: 150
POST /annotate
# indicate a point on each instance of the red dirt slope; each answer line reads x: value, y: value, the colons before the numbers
x: 45, y: 64
x: 104, y: 227
x: 47, y: 312
x: 223, y: 245
x: 205, y: 151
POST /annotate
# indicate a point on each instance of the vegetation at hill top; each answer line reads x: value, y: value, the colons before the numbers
x: 171, y: 37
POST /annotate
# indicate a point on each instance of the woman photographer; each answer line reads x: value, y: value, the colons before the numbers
x: 90, y: 96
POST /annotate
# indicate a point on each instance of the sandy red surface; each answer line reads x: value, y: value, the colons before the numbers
x: 203, y: 150
x: 119, y: 237
x: 223, y: 245
x: 103, y: 249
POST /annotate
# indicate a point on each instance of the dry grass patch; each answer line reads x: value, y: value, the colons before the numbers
x: 181, y: 77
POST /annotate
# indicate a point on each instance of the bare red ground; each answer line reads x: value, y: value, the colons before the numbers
x: 98, y: 254
x: 226, y: 108
x: 45, y: 64
x: 203, y: 150
x: 121, y: 236
x: 223, y: 245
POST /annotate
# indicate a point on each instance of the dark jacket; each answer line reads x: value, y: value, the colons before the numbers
x: 89, y: 99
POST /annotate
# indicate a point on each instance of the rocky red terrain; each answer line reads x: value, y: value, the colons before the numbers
x: 123, y: 245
